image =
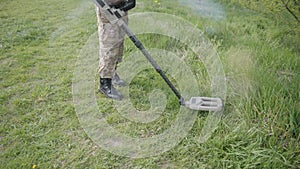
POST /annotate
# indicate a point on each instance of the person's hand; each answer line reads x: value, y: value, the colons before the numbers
x: 127, y: 5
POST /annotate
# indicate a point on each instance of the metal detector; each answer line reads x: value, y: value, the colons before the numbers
x: 196, y: 103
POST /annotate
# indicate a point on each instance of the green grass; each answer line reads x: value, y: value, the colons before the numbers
x: 39, y: 45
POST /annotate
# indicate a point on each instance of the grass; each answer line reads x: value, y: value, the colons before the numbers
x: 39, y: 45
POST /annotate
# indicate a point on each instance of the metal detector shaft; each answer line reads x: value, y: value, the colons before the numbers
x: 139, y: 45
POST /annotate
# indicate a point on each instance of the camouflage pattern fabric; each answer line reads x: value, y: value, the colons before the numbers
x: 111, y: 41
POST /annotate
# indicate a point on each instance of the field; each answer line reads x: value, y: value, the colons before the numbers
x: 42, y: 44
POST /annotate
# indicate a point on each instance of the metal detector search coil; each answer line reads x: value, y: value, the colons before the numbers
x: 204, y: 103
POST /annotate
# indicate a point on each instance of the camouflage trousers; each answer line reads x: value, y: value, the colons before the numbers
x: 111, y: 42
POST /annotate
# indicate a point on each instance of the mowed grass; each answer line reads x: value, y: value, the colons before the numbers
x: 39, y: 45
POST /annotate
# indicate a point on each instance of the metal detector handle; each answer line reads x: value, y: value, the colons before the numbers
x: 113, y: 15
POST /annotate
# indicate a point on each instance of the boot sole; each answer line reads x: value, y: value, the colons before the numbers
x: 107, y: 96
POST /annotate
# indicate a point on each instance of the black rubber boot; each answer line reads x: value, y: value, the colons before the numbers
x: 108, y: 89
x: 116, y: 80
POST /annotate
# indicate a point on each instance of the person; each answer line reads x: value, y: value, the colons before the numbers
x: 111, y: 41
